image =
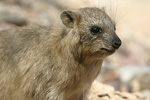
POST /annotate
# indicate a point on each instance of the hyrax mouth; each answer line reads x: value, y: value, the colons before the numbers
x: 107, y: 50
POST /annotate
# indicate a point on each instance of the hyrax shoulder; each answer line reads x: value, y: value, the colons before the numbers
x: 56, y: 63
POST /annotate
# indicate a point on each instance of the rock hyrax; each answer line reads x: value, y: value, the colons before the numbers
x: 56, y: 63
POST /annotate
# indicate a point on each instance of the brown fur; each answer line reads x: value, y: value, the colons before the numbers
x: 56, y: 63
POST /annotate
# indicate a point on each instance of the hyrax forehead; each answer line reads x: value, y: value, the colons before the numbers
x: 95, y: 16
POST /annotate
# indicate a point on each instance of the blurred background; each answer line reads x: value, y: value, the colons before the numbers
x: 129, y: 68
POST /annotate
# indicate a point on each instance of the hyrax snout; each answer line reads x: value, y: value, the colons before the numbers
x: 59, y: 62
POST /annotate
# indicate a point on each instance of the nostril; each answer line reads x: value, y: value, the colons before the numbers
x: 116, y: 45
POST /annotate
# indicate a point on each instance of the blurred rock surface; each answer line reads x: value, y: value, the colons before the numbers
x: 105, y: 92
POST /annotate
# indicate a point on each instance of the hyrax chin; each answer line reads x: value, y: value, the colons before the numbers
x: 56, y: 63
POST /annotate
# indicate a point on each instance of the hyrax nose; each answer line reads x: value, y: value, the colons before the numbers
x: 117, y: 43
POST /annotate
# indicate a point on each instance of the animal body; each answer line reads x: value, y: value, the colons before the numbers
x: 59, y: 62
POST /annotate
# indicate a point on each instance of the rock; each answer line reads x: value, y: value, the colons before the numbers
x: 14, y: 19
x: 101, y: 91
x: 136, y: 78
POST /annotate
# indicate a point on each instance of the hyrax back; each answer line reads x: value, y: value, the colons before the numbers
x: 56, y: 63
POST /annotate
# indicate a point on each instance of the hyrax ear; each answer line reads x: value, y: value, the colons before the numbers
x: 69, y: 18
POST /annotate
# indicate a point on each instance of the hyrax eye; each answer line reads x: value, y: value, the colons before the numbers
x: 95, y: 30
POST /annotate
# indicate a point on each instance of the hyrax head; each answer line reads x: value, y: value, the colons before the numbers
x: 96, y: 31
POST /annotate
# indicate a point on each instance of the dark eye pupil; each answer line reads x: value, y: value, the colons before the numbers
x: 96, y: 30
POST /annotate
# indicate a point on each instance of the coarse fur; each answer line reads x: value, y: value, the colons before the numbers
x: 55, y: 63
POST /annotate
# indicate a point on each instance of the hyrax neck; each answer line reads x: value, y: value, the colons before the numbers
x: 78, y: 74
